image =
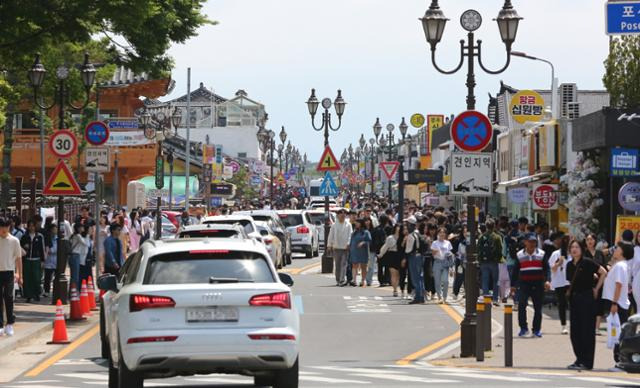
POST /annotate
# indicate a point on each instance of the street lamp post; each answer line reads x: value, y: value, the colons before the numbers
x: 433, y: 24
x: 326, y: 125
x: 357, y: 176
x: 170, y: 161
x: 62, y: 99
x: 372, y: 143
x: 553, y: 76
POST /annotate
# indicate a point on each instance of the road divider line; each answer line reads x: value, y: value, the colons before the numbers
x: 453, y: 314
x: 63, y: 352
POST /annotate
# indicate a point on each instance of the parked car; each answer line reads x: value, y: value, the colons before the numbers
x: 316, y: 217
x: 628, y: 348
x: 315, y: 204
x: 272, y: 243
x: 193, y: 306
x: 304, y: 234
x: 213, y: 231
x: 271, y: 217
x: 174, y: 217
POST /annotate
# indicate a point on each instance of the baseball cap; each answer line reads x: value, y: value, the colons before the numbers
x: 531, y: 237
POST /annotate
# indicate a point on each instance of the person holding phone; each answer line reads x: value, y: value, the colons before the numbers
x: 559, y: 283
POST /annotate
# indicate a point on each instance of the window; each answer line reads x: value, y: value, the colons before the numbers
x: 132, y: 270
x: 291, y: 219
x: 246, y: 224
x: 195, y: 267
x: 213, y: 233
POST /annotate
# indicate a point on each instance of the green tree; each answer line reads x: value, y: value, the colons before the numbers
x: 622, y: 77
x: 243, y: 185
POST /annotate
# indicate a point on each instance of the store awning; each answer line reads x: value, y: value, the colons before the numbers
x: 503, y: 186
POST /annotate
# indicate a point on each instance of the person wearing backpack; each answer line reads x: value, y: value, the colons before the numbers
x: 490, y: 256
x: 416, y: 260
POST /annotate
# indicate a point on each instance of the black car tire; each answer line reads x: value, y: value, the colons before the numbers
x: 287, y: 378
x: 308, y: 253
x: 113, y: 375
x: 126, y: 377
x: 104, y: 342
x: 263, y: 381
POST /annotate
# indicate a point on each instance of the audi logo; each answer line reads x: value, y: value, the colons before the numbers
x: 211, y: 296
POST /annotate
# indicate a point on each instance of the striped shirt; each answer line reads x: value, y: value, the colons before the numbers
x: 530, y: 267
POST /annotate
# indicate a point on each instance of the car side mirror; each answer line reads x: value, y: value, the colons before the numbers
x: 286, y: 278
x: 108, y: 283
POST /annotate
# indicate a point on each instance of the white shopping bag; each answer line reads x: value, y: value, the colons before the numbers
x: 613, y: 330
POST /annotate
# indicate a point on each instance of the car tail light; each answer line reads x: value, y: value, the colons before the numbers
x: 272, y: 337
x: 142, y: 302
x: 267, y: 240
x: 279, y: 299
x: 140, y: 340
x: 302, y: 230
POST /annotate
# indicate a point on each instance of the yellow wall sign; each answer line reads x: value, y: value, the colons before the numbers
x: 417, y: 120
x: 433, y: 122
x: 527, y: 105
x: 627, y: 222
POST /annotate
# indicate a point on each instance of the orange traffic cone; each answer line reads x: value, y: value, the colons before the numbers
x: 84, y: 300
x: 91, y: 295
x: 75, y: 313
x: 59, y: 326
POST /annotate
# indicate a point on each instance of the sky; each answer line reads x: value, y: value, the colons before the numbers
x: 376, y: 52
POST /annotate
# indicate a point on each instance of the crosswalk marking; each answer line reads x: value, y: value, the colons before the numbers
x: 34, y: 386
x: 407, y: 379
x: 488, y: 376
x: 356, y: 370
x: 331, y: 380
x: 220, y: 380
x: 603, y: 380
x: 87, y: 376
x: 347, y: 297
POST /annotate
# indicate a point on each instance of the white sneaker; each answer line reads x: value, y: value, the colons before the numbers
x: 564, y: 330
x: 1, y: 331
x: 9, y: 330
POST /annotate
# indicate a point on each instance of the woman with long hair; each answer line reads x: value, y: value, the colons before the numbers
x: 79, y: 249
x: 359, y: 251
x: 135, y: 231
x: 390, y: 255
x: 581, y: 272
x: 441, y: 249
x: 591, y: 251
x: 124, y: 234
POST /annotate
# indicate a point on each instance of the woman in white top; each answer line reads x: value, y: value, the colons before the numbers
x: 441, y: 249
x: 559, y: 283
x: 79, y: 249
x: 615, y: 290
x: 389, y: 254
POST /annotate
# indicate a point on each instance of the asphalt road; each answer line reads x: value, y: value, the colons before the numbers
x: 350, y: 337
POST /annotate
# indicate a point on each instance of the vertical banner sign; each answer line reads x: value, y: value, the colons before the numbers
x: 433, y: 122
x: 159, y: 172
x: 208, y: 153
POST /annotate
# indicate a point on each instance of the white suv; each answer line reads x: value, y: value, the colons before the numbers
x: 200, y: 306
x: 304, y: 234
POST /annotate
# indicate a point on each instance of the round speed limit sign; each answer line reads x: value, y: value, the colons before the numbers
x: 63, y: 144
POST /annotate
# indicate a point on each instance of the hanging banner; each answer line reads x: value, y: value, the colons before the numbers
x: 433, y: 122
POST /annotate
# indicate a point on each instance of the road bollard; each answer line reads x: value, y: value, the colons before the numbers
x: 487, y: 322
x: 508, y: 335
x: 480, y: 329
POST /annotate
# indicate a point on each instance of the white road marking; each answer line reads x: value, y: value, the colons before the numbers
x: 331, y: 381
x: 87, y: 376
x: 220, y: 380
x: 37, y: 381
x: 488, y: 376
x: 377, y: 297
x: 370, y: 310
x: 603, y: 380
x: 406, y: 379
x: 356, y: 370
x: 364, y: 297
x: 33, y: 386
x: 347, y: 297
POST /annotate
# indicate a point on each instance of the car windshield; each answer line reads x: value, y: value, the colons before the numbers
x: 291, y: 219
x: 213, y: 233
x: 261, y: 218
x: 246, y: 224
x: 208, y: 266
x: 316, y: 218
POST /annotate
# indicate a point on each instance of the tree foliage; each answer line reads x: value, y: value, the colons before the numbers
x: 243, y: 184
x: 622, y: 77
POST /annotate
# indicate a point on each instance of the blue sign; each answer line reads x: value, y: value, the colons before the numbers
x: 286, y: 176
x: 471, y: 131
x: 218, y: 154
x: 302, y: 191
x: 216, y: 201
x: 328, y: 187
x: 96, y: 133
x: 256, y: 180
x: 293, y: 171
x: 624, y: 161
x: 623, y: 18
x: 442, y: 188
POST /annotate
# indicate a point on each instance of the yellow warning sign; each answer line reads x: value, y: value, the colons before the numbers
x: 328, y: 161
x: 280, y: 179
x: 62, y: 182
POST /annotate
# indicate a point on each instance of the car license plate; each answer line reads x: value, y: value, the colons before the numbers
x: 213, y: 314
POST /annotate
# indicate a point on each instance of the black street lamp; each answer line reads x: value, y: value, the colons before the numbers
x: 280, y: 149
x: 433, y: 24
x: 357, y: 176
x: 339, y: 105
x: 374, y: 154
x: 62, y: 99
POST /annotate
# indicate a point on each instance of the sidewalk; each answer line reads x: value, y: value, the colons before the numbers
x: 551, y: 352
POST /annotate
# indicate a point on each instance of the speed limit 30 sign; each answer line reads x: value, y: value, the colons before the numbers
x: 63, y: 144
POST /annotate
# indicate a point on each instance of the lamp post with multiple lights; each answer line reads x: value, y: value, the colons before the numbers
x: 62, y: 99
x: 433, y: 24
x: 313, y: 104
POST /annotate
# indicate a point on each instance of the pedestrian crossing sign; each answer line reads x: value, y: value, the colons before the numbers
x: 62, y: 182
x: 328, y: 187
x: 328, y: 161
x: 280, y: 179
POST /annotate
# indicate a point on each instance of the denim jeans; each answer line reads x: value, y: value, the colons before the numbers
x: 74, y: 268
x: 416, y: 267
x: 372, y: 267
x: 490, y: 272
x: 441, y: 278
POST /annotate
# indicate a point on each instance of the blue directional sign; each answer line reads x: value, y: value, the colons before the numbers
x: 216, y: 201
x: 471, y: 131
x: 96, y: 133
x: 623, y: 18
x: 328, y: 187
x: 624, y: 161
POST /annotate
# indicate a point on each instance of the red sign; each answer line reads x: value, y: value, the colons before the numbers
x: 389, y: 168
x: 328, y: 161
x: 63, y: 144
x: 471, y: 131
x: 545, y: 197
x: 62, y: 182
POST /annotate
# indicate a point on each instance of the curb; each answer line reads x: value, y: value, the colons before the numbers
x: 9, y: 344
